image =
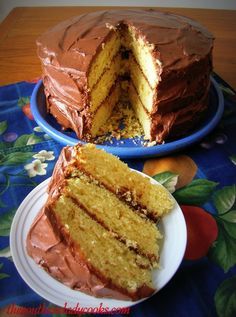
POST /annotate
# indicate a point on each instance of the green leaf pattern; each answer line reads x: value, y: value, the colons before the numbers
x: 224, y: 199
x: 27, y: 139
x: 198, y: 192
x: 6, y: 253
x: 16, y: 158
x: 3, y: 275
x: 233, y: 159
x: 225, y: 298
x: 5, y: 222
x: 23, y: 101
x: 168, y: 180
x: 3, y: 127
x: 223, y: 252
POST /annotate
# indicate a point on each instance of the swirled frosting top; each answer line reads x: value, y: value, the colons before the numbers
x: 177, y: 40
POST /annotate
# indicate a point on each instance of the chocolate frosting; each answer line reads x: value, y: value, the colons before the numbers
x: 54, y: 256
x: 71, y: 45
x: 68, y: 50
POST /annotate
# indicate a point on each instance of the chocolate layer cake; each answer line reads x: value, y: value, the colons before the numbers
x: 97, y: 231
x: 165, y: 61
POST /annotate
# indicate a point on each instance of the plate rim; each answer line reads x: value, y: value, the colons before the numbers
x: 41, y: 292
x: 133, y: 152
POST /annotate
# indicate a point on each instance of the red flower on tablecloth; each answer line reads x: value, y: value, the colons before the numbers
x: 202, y: 231
x: 24, y: 104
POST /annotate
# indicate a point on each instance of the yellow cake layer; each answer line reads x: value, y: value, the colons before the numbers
x: 103, y: 60
x: 140, y: 112
x: 108, y: 66
x: 116, y: 175
x: 135, y: 231
x: 108, y: 256
x: 145, y: 92
x: 104, y: 111
x: 143, y: 54
x: 102, y: 88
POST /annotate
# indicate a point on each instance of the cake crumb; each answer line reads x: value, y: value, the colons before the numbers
x: 123, y: 124
x: 110, y: 26
x: 151, y: 143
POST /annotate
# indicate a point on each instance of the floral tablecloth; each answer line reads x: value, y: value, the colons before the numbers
x: 202, y: 178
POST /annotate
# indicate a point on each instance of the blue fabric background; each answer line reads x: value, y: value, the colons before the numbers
x: 191, y: 291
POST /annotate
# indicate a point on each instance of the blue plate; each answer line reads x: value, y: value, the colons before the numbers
x: 129, y: 148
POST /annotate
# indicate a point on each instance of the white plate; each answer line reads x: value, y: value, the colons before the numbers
x: 172, y: 226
